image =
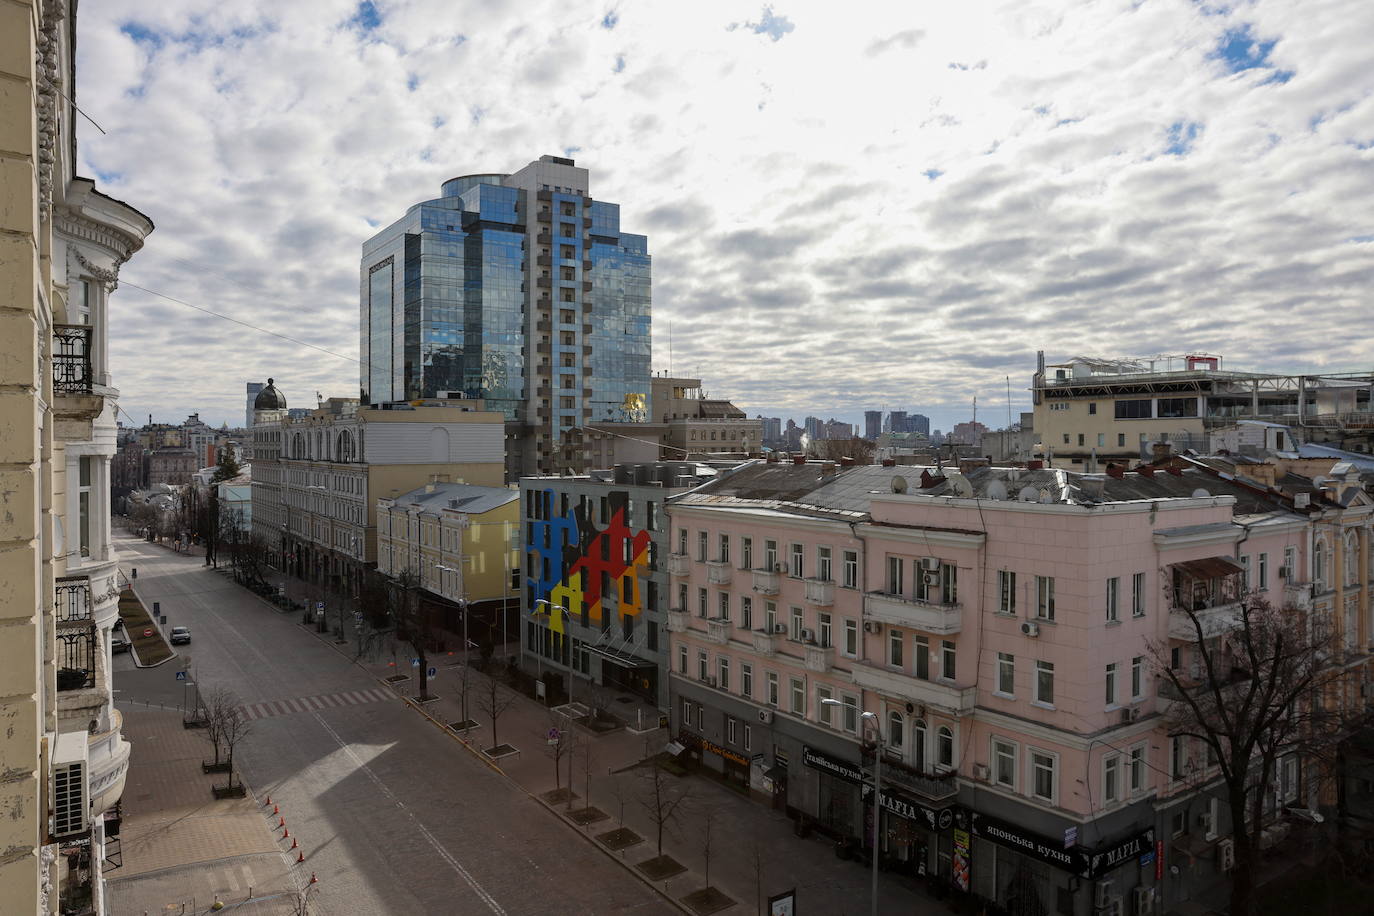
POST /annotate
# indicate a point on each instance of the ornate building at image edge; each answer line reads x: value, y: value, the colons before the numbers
x: 63, y: 760
x: 520, y: 290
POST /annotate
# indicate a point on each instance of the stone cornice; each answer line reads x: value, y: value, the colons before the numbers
x: 81, y: 227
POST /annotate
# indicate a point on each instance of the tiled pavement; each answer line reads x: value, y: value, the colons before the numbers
x: 309, y: 704
x: 179, y: 844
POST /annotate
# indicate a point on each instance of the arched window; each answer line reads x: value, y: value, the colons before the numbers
x: 896, y: 726
x: 1350, y: 559
x: 1318, y: 564
x: 918, y: 743
x: 945, y: 747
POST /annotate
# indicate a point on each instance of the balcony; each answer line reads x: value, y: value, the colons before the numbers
x: 544, y: 238
x: 71, y: 360
x: 945, y: 698
x: 718, y: 630
x: 819, y: 658
x: 678, y: 621
x: 543, y: 282
x: 930, y: 784
x: 718, y: 572
x: 820, y: 592
x: 1216, y: 619
x: 765, y: 582
x: 1297, y: 595
x: 900, y: 611
x: 767, y: 643
x: 679, y: 564
x: 76, y: 634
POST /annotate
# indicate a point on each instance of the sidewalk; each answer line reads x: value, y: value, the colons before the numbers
x: 179, y: 845
x: 754, y: 853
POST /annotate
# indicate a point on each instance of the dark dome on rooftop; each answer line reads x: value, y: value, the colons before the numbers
x: 269, y: 398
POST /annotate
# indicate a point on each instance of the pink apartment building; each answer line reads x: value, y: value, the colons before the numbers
x: 999, y: 628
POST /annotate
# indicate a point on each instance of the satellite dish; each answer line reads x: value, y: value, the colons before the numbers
x: 898, y: 484
x: 1028, y: 495
x: 961, y: 486
x: 1201, y: 493
x: 997, y: 490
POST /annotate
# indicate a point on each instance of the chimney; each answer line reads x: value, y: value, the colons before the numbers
x: 847, y: 462
x: 799, y: 459
x: 1176, y: 471
x: 1035, y: 465
x: 1145, y: 470
x: 1116, y: 470
x: 889, y: 463
x: 828, y: 469
x: 1161, y: 450
x: 772, y: 457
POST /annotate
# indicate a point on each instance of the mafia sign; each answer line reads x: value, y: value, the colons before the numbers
x: 1087, y: 863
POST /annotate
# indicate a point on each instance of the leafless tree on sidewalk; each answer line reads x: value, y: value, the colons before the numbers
x: 558, y: 746
x: 215, y: 704
x: 493, y: 702
x: 663, y: 799
x: 237, y: 726
x: 709, y: 816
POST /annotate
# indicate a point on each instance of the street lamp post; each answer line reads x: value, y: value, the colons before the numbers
x: 567, y: 622
x: 462, y: 606
x: 878, y: 746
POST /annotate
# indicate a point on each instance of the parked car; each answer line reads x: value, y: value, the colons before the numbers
x: 180, y: 635
x: 119, y: 642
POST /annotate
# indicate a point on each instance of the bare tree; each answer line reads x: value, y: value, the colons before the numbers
x: 618, y: 790
x: 493, y: 701
x: 1257, y: 689
x: 237, y: 726
x: 414, y: 622
x: 214, y: 706
x: 301, y: 898
x: 463, y: 684
x: 662, y: 799
x: 560, y: 742
x: 861, y: 450
x: 756, y: 865
x: 709, y: 816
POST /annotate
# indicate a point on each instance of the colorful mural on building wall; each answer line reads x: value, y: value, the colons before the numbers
x: 574, y: 565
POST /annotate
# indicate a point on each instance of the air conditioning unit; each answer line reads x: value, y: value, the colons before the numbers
x: 931, y: 580
x: 779, y: 628
x: 1030, y: 628
x: 929, y: 563
x: 1102, y: 893
x: 1130, y: 714
x: 872, y: 626
x: 1226, y: 855
x: 70, y: 786
x: 1144, y: 899
x: 710, y: 682
x: 981, y: 772
x: 766, y: 716
x: 1285, y: 572
x: 779, y: 568
x: 808, y: 636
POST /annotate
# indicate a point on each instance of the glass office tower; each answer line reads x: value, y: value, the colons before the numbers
x: 519, y: 289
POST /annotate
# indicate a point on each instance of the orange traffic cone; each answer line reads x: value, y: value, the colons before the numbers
x: 276, y: 810
x: 313, y: 879
x: 269, y: 801
x: 293, y: 842
x: 281, y: 822
x: 286, y: 833
x: 300, y: 857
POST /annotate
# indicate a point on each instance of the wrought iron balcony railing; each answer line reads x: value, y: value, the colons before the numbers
x: 71, y: 359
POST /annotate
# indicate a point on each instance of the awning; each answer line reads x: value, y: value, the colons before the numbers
x: 1209, y: 568
x: 775, y: 773
x: 619, y: 657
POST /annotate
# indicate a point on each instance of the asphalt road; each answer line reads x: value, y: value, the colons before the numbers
x: 394, y: 816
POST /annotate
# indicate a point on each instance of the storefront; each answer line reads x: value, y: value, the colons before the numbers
x: 732, y: 765
x: 1026, y: 872
x: 917, y: 838
x: 838, y: 801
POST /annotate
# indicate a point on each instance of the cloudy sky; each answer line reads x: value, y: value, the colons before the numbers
x: 849, y: 206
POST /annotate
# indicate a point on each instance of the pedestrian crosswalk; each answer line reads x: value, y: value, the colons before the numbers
x: 293, y: 705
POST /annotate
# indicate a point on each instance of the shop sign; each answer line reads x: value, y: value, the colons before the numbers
x: 1086, y: 863
x: 902, y: 806
x: 724, y: 752
x: 961, y: 859
x: 819, y: 760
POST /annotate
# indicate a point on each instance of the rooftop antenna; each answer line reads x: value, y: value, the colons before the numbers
x: 1008, y: 402
x: 670, y: 346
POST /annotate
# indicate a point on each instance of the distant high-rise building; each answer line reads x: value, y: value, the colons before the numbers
x: 918, y: 423
x: 873, y: 424
x: 771, y: 430
x: 253, y: 390
x: 896, y: 421
x: 814, y: 427
x: 518, y: 289
x: 834, y: 429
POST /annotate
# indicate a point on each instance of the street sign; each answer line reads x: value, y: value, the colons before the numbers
x: 432, y: 671
x: 1070, y: 837
x: 357, y: 615
x: 148, y: 631
x: 319, y: 605
x: 414, y: 663
x: 181, y: 675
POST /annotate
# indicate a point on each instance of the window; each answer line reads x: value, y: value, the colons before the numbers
x: 770, y: 616
x: 681, y: 659
x: 1006, y: 590
x: 772, y: 688
x: 918, y: 743
x: 723, y: 606
x: 949, y: 583
x: 770, y: 556
x: 851, y: 569
x: 746, y: 553
x: 1138, y: 595
x: 1209, y: 818
x: 84, y: 504
x: 1006, y: 673
x: 1245, y: 573
x: 798, y: 696
x: 702, y: 602
x: 1176, y: 407
x: 701, y: 545
x: 947, y: 657
x: 1044, y: 683
x: 1319, y: 566
x: 1263, y: 571
x: 1176, y: 756
x: 748, y: 738
x: 894, y: 648
x: 723, y: 547
x: 1137, y: 769
x: 1042, y: 775
x: 701, y: 665
x: 1137, y: 677
x: 1003, y: 763
x: 1111, y: 778
x: 1290, y: 562
x: 746, y: 681
x: 797, y: 624
x: 1101, y: 440
x: 682, y: 541
x: 1066, y: 438
x: 682, y: 597
x: 895, y: 568
x: 1092, y: 408
x: 1113, y: 587
x: 823, y: 564
x: 823, y: 693
x: 686, y: 712
x: 797, y: 561
x: 944, y: 748
x: 1136, y: 409
x: 1044, y: 597
x: 723, y: 673
x: 730, y: 729
x: 851, y: 638
x: 896, y: 730
x: 1080, y: 439
x: 1111, y: 684
x: 921, y: 647
x: 746, y: 612
x: 1120, y: 440
x: 823, y: 631
x: 851, y: 713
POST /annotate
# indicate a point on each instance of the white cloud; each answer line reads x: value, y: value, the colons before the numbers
x: 804, y: 254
